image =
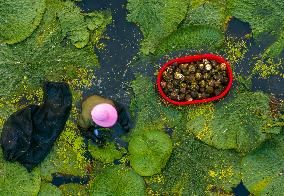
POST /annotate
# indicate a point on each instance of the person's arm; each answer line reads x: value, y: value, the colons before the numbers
x: 124, y: 119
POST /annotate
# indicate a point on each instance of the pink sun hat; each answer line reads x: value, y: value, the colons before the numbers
x: 104, y: 115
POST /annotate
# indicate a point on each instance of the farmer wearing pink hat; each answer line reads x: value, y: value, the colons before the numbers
x: 100, y: 112
x: 104, y: 115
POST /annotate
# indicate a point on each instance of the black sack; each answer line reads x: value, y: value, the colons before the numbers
x: 29, y: 134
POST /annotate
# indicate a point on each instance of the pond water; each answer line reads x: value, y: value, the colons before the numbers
x: 120, y: 49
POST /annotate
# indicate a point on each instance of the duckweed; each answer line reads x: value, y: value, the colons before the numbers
x: 106, y: 154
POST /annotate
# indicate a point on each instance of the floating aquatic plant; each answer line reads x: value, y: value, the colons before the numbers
x: 106, y: 154
x: 244, y: 128
x: 268, y: 67
x: 117, y: 180
x: 149, y: 107
x: 157, y: 19
x: 195, y: 168
x: 73, y: 189
x: 209, y: 13
x: 16, y: 180
x: 73, y: 24
x: 197, y: 37
x: 79, y: 27
x: 178, y: 24
x: 263, y: 168
x: 48, y: 189
x: 235, y: 50
x: 149, y: 151
x: 18, y: 19
x: 46, y: 54
x: 266, y: 19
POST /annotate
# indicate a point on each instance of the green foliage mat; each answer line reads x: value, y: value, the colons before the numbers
x: 148, y: 108
x: 46, y: 54
x: 73, y: 189
x: 197, y: 37
x: 106, y: 154
x: 157, y: 19
x: 209, y: 13
x: 80, y: 28
x: 117, y: 181
x: 263, y: 15
x: 18, y: 19
x: 193, y: 167
x: 168, y: 25
x: 73, y: 24
x: 16, y: 180
x: 266, y: 17
x: 241, y: 123
x: 149, y: 151
x: 263, y: 172
x: 48, y: 189
x: 165, y: 24
x: 196, y: 169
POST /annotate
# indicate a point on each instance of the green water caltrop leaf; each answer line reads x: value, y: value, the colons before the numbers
x: 265, y: 17
x: 73, y: 189
x: 48, y: 189
x: 117, y: 181
x: 149, y: 152
x: 156, y: 18
x: 263, y: 169
x: 247, y: 123
x: 95, y: 20
x: 195, y: 168
x: 277, y: 48
x: 192, y: 37
x: 43, y: 56
x: 97, y: 23
x: 18, y: 19
x: 16, y: 180
x: 209, y: 13
x: 73, y: 24
x: 149, y: 106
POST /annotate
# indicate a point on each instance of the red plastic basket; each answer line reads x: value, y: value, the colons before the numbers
x: 188, y: 59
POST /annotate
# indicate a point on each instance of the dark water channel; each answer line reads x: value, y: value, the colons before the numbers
x: 273, y: 84
x: 121, y: 48
x: 113, y: 77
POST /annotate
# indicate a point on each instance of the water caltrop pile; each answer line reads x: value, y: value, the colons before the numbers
x: 195, y: 80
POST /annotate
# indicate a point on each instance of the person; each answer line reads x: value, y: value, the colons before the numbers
x: 99, y: 113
